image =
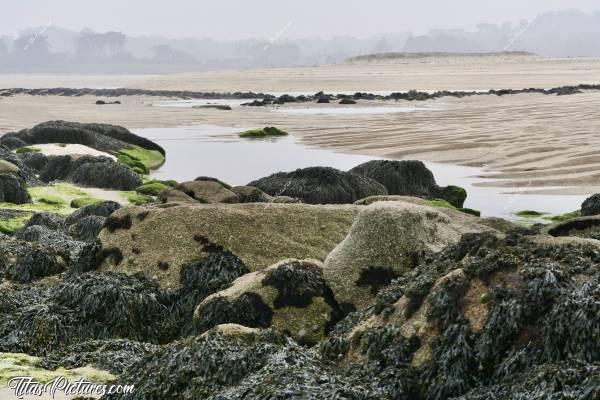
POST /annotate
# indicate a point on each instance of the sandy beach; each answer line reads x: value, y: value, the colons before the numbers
x: 525, y: 140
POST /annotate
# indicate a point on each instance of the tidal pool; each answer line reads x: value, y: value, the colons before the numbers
x: 218, y: 151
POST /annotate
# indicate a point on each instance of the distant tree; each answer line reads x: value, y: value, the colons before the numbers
x: 99, y: 46
x: 31, y: 50
x: 166, y: 54
x: 3, y: 47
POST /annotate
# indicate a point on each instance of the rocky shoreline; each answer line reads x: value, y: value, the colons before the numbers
x: 262, y: 99
x: 372, y: 283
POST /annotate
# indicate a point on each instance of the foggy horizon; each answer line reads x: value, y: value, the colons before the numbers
x: 228, y: 20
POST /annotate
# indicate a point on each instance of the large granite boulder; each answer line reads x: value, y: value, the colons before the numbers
x: 387, y: 240
x: 158, y: 241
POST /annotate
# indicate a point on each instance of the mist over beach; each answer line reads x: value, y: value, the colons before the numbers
x: 317, y: 200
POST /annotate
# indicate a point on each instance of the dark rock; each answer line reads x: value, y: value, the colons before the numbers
x: 88, y: 228
x: 35, y: 161
x: 103, y: 137
x: 208, y: 191
x: 47, y: 219
x: 103, y: 209
x: 347, y: 101
x: 591, y: 206
x: 323, y: 99
x: 409, y: 178
x: 211, y: 179
x: 13, y: 190
x: 108, y: 175
x: 320, y: 185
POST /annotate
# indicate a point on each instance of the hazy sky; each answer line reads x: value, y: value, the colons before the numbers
x: 235, y: 19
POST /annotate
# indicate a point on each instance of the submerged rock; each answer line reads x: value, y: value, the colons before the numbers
x: 409, y: 178
x: 290, y: 296
x: 320, y: 185
x: 387, y: 240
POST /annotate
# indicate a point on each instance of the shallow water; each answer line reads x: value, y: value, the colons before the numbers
x: 218, y: 151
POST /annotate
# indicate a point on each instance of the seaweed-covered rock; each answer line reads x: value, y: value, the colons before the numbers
x: 249, y: 194
x: 92, y: 171
x: 88, y: 228
x: 13, y: 189
x: 102, y: 209
x: 290, y: 296
x: 387, y: 240
x: 260, y: 234
x: 49, y: 220
x: 409, y: 178
x: 112, y: 355
x: 485, y: 318
x: 234, y: 362
x: 591, y: 206
x: 582, y: 227
x: 103, y: 137
x: 320, y: 185
x: 208, y: 192
x: 87, y: 306
x: 35, y: 161
x: 111, y: 175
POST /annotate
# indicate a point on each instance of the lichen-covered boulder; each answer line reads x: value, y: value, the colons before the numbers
x: 101, y: 209
x: 320, y: 185
x: 582, y: 227
x: 290, y: 296
x: 260, y: 234
x: 591, y: 206
x: 249, y: 194
x: 175, y: 196
x: 409, y: 178
x: 13, y: 189
x: 387, y: 240
x: 208, y: 192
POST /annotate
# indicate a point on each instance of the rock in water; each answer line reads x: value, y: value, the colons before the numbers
x: 13, y: 190
x: 591, y: 206
x: 290, y: 296
x: 386, y: 240
x: 320, y: 185
x: 409, y: 178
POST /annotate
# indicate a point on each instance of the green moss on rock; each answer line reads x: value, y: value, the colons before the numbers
x: 263, y: 133
x: 27, y: 149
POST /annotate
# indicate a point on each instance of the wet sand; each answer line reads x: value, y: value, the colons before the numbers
x: 526, y: 141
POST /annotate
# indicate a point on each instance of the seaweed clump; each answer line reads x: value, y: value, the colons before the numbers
x: 485, y: 318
